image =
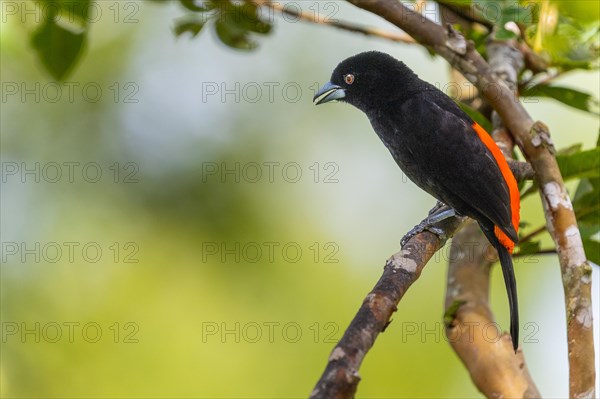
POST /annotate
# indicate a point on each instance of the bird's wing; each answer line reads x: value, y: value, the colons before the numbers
x: 466, y: 171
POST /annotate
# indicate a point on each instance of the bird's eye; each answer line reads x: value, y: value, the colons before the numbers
x: 349, y: 78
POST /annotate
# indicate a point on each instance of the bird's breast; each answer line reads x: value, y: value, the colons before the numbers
x: 411, y: 152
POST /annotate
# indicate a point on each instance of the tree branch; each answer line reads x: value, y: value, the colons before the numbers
x: 470, y: 326
x: 324, y: 20
x: 340, y: 378
x: 487, y: 353
x: 534, y: 62
x: 521, y: 170
x: 534, y: 141
x: 533, y: 234
x: 547, y: 251
x: 469, y: 12
x: 506, y: 62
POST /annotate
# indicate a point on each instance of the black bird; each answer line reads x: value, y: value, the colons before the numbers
x: 439, y: 147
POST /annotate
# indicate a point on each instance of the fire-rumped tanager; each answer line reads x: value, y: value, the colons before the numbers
x: 439, y: 147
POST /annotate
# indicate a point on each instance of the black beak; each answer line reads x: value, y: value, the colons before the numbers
x: 329, y: 92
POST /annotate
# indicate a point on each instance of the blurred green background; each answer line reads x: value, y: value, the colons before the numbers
x: 142, y: 255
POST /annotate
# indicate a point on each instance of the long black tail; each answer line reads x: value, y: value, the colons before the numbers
x: 510, y: 282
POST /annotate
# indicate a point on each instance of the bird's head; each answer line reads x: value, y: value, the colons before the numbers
x: 367, y: 80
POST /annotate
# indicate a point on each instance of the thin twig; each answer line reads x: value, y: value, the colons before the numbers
x: 470, y: 13
x: 533, y: 61
x: 316, y: 18
x: 521, y: 170
x: 540, y: 79
x: 547, y: 251
x: 533, y: 234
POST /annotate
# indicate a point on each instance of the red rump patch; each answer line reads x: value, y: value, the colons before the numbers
x: 504, y: 239
x: 511, y: 183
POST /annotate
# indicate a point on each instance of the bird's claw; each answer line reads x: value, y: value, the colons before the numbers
x: 438, y: 205
x: 425, y: 225
x: 439, y: 212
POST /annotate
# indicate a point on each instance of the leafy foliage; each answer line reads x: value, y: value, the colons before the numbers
x: 529, y: 247
x: 58, y: 45
x: 567, y: 42
x: 193, y: 6
x: 476, y: 116
x: 585, y: 165
x: 188, y: 25
x: 571, y: 97
x: 512, y: 12
x: 234, y: 23
x: 563, y: 33
x: 581, y: 164
x: 586, y: 204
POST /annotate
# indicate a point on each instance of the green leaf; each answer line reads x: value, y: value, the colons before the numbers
x: 514, y: 12
x: 232, y: 35
x: 450, y: 313
x: 504, y: 34
x: 193, y: 26
x: 193, y: 6
x: 529, y: 247
x: 579, y: 165
x: 58, y: 48
x: 568, y: 44
x: 573, y: 149
x: 589, y: 236
x: 523, y: 224
x: 67, y: 9
x: 592, y: 250
x: 574, y: 98
x: 249, y: 19
x: 479, y: 38
x: 580, y: 10
x: 586, y: 205
x: 586, y: 202
x: 236, y: 22
x: 585, y: 187
x: 588, y: 213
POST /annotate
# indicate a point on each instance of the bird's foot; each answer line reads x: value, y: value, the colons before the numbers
x: 438, y: 213
x: 425, y: 225
x: 436, y: 207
